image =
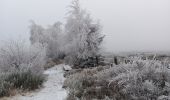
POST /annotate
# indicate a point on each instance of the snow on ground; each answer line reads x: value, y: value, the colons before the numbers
x: 52, y: 87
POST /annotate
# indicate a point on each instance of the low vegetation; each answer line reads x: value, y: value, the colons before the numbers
x: 21, y: 67
x: 20, y: 80
x: 140, y: 80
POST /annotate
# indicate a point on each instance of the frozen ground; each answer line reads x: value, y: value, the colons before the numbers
x: 52, y: 89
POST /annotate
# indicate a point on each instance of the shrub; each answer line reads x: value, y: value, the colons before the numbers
x: 142, y: 79
x: 25, y: 80
x: 139, y: 80
x: 22, y: 67
x: 16, y: 55
x: 83, y: 84
x: 5, y: 86
x: 78, y: 82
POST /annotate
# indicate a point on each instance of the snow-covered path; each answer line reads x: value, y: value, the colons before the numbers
x: 52, y: 89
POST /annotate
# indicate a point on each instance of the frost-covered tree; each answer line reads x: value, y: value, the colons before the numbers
x: 50, y: 37
x: 37, y: 34
x: 55, y: 40
x: 83, y: 34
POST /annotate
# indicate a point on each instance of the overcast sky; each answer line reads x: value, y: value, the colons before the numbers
x: 129, y: 25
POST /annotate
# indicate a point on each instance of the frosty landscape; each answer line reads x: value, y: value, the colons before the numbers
x: 67, y: 61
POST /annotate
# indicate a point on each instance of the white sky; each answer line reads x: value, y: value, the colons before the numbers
x: 129, y: 25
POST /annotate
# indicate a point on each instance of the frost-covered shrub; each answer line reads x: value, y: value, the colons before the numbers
x: 84, y: 84
x: 139, y: 80
x: 5, y: 87
x: 78, y: 83
x: 145, y: 79
x: 21, y: 67
x: 16, y: 55
x: 25, y: 80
